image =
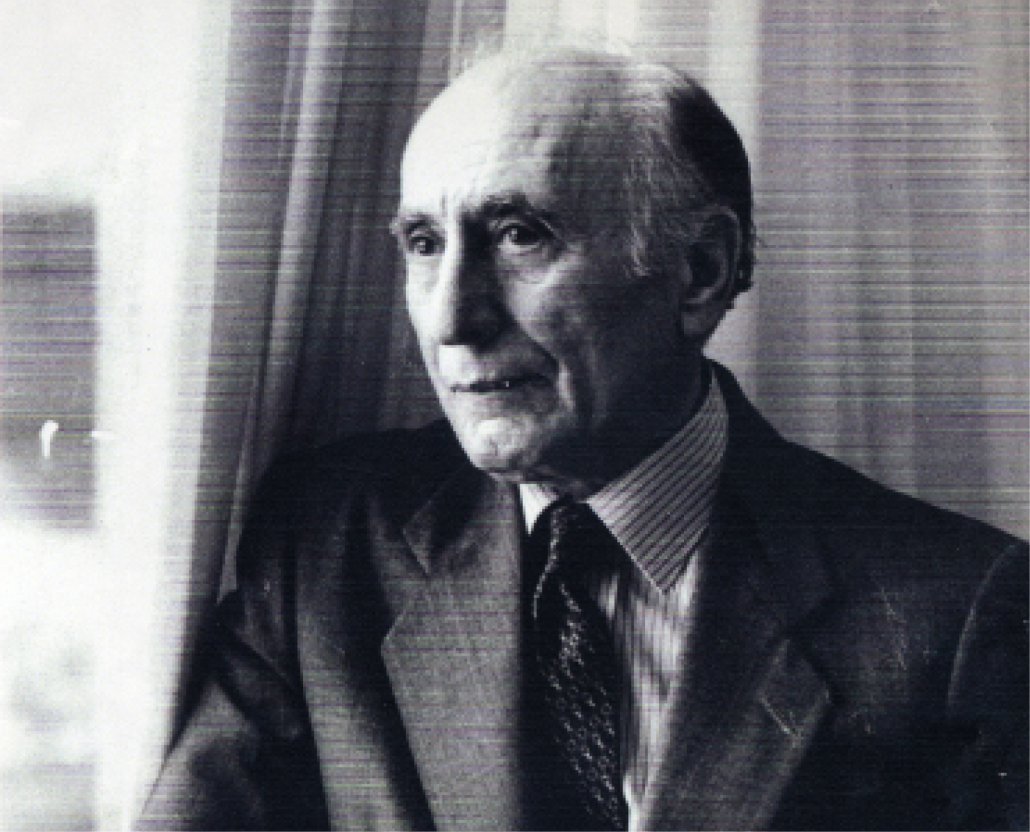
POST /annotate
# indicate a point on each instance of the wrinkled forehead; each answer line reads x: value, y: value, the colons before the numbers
x: 562, y: 119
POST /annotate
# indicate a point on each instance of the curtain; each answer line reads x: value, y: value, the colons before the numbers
x: 889, y: 322
x: 320, y: 96
x: 892, y: 196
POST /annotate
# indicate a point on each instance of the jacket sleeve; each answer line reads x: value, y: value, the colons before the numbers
x: 988, y: 701
x: 245, y: 758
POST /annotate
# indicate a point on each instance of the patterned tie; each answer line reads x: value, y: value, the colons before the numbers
x: 576, y: 659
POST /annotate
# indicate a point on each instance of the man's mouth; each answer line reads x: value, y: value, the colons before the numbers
x: 502, y: 384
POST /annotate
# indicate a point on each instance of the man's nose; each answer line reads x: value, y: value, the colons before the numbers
x: 467, y: 304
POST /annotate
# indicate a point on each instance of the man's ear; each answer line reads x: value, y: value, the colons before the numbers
x: 708, y: 273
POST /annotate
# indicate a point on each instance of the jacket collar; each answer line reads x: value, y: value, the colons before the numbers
x: 774, y: 484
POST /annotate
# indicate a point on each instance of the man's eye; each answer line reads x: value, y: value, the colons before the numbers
x: 517, y: 236
x: 423, y: 245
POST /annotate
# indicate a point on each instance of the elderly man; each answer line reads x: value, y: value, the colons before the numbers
x: 638, y: 606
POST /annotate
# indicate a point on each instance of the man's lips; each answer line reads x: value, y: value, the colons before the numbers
x: 501, y: 384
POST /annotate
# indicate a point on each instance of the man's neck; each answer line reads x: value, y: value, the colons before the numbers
x: 632, y: 438
x: 628, y: 441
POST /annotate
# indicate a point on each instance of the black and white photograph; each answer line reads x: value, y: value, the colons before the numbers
x: 514, y: 414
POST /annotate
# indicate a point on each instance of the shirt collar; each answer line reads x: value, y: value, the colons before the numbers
x: 660, y: 509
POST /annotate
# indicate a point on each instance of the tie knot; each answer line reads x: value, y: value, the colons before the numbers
x: 577, y: 539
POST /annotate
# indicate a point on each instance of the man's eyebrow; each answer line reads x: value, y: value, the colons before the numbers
x: 515, y: 202
x: 494, y: 206
x: 403, y: 221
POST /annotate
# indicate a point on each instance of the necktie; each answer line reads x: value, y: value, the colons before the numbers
x: 575, y: 655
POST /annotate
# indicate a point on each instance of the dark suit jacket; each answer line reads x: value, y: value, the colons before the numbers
x: 858, y: 659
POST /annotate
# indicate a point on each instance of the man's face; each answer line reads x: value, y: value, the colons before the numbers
x: 551, y: 363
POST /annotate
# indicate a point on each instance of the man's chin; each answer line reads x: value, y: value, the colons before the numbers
x: 504, y: 448
x: 508, y: 465
x: 520, y: 450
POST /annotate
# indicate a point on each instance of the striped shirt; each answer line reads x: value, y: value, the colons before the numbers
x: 659, y: 512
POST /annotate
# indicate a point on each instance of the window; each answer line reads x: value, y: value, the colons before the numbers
x: 101, y: 120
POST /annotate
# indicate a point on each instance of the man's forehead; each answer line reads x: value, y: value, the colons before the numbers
x: 496, y: 110
x: 553, y: 85
x: 553, y: 125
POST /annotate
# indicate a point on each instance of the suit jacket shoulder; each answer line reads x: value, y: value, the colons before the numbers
x: 401, y: 467
x: 919, y: 634
x: 323, y: 549
x: 863, y: 527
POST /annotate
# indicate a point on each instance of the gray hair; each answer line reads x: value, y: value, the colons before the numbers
x: 685, y: 158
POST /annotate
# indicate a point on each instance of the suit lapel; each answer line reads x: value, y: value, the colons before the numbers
x: 452, y: 655
x: 748, y: 702
x: 745, y: 706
